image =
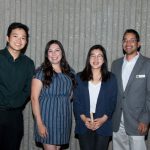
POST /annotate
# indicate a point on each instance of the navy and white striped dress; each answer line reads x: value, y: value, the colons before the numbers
x: 56, y: 109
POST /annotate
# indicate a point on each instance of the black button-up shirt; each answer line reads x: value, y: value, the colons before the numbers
x: 15, y: 79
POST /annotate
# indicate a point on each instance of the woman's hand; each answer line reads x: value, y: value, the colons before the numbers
x: 98, y: 122
x: 87, y: 121
x: 42, y: 130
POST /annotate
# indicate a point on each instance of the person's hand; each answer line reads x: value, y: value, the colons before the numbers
x: 142, y: 128
x: 98, y: 122
x: 42, y: 130
x: 88, y: 123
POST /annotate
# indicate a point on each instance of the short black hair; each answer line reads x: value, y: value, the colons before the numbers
x: 16, y: 25
x: 133, y: 32
x: 19, y: 25
x: 136, y: 35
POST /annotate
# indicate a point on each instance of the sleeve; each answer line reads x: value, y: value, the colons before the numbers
x: 77, y: 100
x: 27, y: 86
x: 145, y: 114
x: 113, y: 98
x: 39, y: 74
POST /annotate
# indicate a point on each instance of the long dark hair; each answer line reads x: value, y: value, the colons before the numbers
x: 87, y: 74
x: 47, y: 66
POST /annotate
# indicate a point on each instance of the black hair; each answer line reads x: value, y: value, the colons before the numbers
x: 19, y: 25
x: 137, y: 36
x: 87, y: 74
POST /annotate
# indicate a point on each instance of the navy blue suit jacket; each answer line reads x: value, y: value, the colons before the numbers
x: 105, y: 104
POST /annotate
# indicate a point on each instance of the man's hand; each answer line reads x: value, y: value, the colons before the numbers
x: 142, y: 128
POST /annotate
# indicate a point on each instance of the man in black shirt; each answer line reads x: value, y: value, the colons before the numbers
x: 16, y: 72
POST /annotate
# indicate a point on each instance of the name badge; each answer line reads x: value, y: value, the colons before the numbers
x: 140, y: 76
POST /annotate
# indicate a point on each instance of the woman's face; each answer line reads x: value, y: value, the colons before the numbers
x: 54, y: 54
x: 96, y: 59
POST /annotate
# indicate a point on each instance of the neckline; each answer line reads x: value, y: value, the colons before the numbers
x: 97, y: 84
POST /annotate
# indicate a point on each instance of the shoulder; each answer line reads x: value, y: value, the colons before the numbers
x: 145, y: 62
x: 112, y: 76
x: 28, y: 62
x: 111, y: 82
x: 39, y: 73
x: 39, y: 70
x: 116, y: 64
x: 2, y: 51
x: 119, y: 60
x: 78, y: 78
x: 146, y: 59
x: 27, y: 59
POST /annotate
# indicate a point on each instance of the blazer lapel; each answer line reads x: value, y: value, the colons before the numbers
x: 87, y: 96
x: 100, y: 95
x: 136, y: 69
x: 120, y: 86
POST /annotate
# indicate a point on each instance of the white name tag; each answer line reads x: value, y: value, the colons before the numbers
x: 140, y: 76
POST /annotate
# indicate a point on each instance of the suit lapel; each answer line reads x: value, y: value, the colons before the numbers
x: 100, y: 95
x: 120, y: 75
x: 87, y: 96
x: 135, y: 71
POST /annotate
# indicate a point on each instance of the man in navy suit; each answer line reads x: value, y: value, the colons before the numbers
x: 131, y: 116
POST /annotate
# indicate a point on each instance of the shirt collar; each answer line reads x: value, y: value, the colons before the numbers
x: 10, y: 57
x: 133, y: 59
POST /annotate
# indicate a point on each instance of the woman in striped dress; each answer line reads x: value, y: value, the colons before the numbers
x: 51, y: 98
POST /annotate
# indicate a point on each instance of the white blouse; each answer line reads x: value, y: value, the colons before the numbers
x: 94, y: 90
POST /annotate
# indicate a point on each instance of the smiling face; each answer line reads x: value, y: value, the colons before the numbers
x: 54, y: 54
x: 96, y: 59
x: 17, y: 40
x: 130, y: 44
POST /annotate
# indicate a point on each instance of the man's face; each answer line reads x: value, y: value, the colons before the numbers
x: 17, y: 40
x: 130, y: 44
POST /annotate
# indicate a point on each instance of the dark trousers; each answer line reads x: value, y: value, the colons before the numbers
x: 11, y: 129
x: 92, y: 141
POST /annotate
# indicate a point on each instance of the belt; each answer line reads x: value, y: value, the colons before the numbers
x: 10, y: 109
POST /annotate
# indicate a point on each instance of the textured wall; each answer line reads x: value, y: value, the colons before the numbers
x: 78, y: 24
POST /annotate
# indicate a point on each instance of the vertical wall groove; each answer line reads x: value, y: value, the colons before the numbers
x: 78, y: 24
